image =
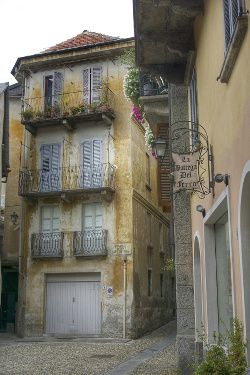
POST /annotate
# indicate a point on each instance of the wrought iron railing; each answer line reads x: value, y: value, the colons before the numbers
x: 151, y: 85
x: 70, y: 178
x: 67, y: 105
x: 47, y: 245
x: 90, y: 242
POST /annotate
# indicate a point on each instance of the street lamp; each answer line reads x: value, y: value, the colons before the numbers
x: 160, y: 148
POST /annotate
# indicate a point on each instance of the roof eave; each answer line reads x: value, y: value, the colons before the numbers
x: 16, y: 67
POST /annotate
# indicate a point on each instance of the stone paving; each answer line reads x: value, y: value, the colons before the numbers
x: 152, y: 354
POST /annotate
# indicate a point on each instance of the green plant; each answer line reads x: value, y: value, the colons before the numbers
x: 237, y: 348
x: 28, y: 114
x: 131, y: 85
x: 92, y: 107
x: 127, y: 58
x: 227, y: 355
x: 169, y: 265
x: 39, y: 114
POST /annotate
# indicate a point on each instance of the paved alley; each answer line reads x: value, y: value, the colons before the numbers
x: 152, y: 354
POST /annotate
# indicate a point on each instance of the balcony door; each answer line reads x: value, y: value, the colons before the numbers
x: 49, y: 238
x: 92, y: 168
x: 92, y: 85
x: 50, y: 179
x: 92, y: 227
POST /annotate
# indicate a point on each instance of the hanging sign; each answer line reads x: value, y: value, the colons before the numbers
x: 186, y: 171
x: 192, y: 162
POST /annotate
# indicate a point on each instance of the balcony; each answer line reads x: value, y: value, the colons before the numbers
x: 154, y: 98
x: 47, y: 245
x: 67, y: 180
x: 67, y: 109
x: 90, y: 243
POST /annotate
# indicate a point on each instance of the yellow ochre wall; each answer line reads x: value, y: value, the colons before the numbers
x: 224, y: 111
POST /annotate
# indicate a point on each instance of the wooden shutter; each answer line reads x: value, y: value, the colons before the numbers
x: 57, y: 89
x: 97, y: 163
x: 87, y: 163
x: 96, y: 82
x: 86, y: 86
x: 45, y: 157
x: 227, y: 22
x: 50, y: 165
x: 235, y: 13
x: 164, y: 170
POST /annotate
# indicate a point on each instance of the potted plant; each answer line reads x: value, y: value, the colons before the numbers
x: 28, y: 114
x: 92, y: 107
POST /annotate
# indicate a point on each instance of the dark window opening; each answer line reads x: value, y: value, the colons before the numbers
x: 161, y: 284
x: 48, y: 91
x: 149, y: 283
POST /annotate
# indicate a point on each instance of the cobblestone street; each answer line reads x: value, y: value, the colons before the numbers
x: 151, y: 354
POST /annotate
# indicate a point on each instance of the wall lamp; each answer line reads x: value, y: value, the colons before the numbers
x: 14, y: 218
x: 201, y: 209
x: 160, y: 148
x: 221, y: 178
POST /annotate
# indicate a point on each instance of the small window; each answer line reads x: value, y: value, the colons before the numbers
x: 161, y: 284
x: 148, y: 171
x: 149, y: 228
x: 232, y: 10
x: 149, y: 283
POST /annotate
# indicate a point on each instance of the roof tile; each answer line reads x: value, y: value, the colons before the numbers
x: 83, y: 39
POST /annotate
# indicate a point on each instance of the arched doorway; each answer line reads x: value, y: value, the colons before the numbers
x: 244, y: 226
x: 197, y: 290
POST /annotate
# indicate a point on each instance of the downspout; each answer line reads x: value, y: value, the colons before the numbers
x: 124, y: 295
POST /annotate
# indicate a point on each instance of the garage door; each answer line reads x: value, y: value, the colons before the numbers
x: 73, y: 304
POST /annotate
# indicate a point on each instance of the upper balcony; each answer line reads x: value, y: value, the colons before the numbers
x: 67, y: 109
x: 154, y: 98
x: 67, y: 180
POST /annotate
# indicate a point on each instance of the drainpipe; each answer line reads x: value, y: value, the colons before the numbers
x: 124, y: 295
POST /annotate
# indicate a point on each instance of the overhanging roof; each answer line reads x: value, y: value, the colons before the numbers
x: 164, y: 36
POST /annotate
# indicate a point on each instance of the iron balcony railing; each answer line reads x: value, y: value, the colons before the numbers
x: 152, y: 85
x: 66, y: 105
x: 47, y: 245
x: 66, y: 179
x: 90, y: 243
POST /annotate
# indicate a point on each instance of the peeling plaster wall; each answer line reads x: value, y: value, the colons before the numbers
x: 12, y: 200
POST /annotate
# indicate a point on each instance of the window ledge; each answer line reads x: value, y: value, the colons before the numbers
x: 233, y: 49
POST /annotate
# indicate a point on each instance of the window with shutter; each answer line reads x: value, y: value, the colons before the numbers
x: 53, y: 87
x: 92, y: 163
x: 164, y: 170
x: 232, y: 10
x: 57, y: 91
x: 92, y: 85
x: 50, y: 167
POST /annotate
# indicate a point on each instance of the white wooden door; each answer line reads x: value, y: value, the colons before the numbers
x: 73, y: 306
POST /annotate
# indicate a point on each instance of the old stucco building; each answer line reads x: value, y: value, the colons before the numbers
x: 201, y: 48
x: 93, y: 233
